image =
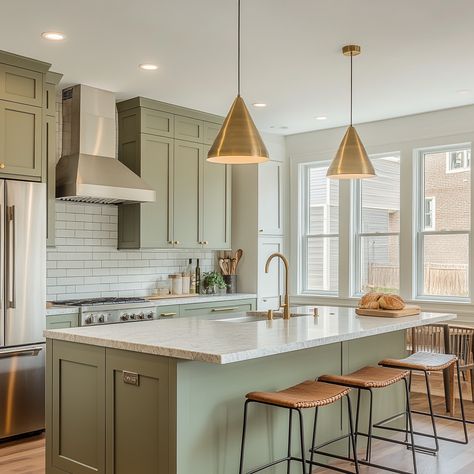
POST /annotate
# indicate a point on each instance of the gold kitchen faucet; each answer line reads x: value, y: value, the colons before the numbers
x: 286, y: 304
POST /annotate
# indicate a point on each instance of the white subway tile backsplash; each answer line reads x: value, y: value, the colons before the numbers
x: 86, y: 262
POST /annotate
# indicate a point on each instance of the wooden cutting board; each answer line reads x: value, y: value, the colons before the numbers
x: 408, y: 310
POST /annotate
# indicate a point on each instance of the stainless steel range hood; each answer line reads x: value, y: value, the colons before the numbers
x: 88, y: 170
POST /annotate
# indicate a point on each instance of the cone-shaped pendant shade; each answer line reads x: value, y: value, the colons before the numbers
x: 238, y: 141
x: 351, y: 160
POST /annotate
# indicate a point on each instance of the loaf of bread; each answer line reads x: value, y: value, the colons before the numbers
x: 374, y: 300
x: 370, y: 300
x: 391, y: 302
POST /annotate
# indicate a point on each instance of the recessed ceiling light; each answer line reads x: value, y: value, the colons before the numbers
x: 321, y: 117
x: 148, y: 67
x: 53, y: 35
x: 463, y: 91
x: 259, y: 104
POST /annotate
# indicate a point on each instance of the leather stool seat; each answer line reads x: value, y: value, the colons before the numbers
x: 308, y: 394
x: 429, y: 361
x: 367, y: 377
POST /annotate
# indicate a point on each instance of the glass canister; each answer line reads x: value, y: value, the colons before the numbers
x: 176, y: 284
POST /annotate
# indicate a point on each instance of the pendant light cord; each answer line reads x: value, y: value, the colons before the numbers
x: 238, y: 49
x: 351, y: 87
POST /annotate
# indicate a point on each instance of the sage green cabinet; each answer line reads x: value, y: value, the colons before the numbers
x: 21, y: 85
x: 186, y: 201
x: 138, y: 413
x: 62, y: 321
x: 49, y: 155
x: 168, y: 146
x: 77, y: 410
x: 20, y: 139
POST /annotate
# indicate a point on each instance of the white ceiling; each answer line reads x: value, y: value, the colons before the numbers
x: 417, y: 55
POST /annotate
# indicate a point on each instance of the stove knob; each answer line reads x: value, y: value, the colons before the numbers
x: 89, y: 320
x: 141, y: 316
x: 124, y: 317
x: 150, y: 315
x: 101, y: 318
x: 133, y: 316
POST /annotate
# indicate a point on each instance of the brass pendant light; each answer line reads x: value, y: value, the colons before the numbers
x: 351, y: 160
x: 238, y: 141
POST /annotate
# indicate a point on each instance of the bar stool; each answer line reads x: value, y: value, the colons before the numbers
x: 369, y: 378
x: 427, y: 362
x: 308, y: 394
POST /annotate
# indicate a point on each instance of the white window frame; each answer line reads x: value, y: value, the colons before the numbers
x: 304, y: 227
x: 433, y: 211
x: 358, y: 235
x: 421, y: 232
x: 466, y: 164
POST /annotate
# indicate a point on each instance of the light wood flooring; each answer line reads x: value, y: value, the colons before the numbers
x: 27, y: 456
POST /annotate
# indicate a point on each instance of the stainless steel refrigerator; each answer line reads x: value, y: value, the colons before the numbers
x: 22, y: 306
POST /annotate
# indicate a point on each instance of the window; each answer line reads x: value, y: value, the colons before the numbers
x: 459, y: 160
x: 376, y: 213
x: 443, y: 223
x: 430, y: 215
x: 320, y: 236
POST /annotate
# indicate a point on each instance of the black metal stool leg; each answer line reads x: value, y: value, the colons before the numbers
x: 242, y: 446
x: 461, y: 403
x: 430, y: 404
x: 406, y: 411
x: 351, y: 435
x: 357, y: 417
x: 313, y: 440
x: 368, y: 452
x: 303, y: 452
x: 410, y: 420
x: 290, y: 424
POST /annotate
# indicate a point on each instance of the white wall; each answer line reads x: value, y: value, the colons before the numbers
x: 404, y: 135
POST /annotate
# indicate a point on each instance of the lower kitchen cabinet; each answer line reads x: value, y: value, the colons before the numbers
x: 137, y: 413
x: 62, y: 321
x: 218, y: 308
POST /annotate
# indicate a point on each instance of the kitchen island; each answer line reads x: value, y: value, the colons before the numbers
x: 166, y: 397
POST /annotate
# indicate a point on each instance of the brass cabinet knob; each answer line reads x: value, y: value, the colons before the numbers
x: 170, y: 242
x: 177, y: 242
x: 205, y: 242
x: 2, y: 165
x: 260, y: 230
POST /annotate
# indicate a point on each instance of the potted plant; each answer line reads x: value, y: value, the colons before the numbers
x: 212, y: 283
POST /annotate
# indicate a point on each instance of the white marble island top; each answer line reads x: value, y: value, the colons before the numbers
x: 225, y: 341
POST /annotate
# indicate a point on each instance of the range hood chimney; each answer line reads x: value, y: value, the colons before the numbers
x: 88, y: 170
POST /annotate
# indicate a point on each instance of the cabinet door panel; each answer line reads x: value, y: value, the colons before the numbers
x: 270, y: 284
x: 20, y: 135
x: 187, y: 161
x: 186, y: 128
x: 78, y: 402
x: 49, y: 99
x: 270, y: 198
x: 138, y: 415
x: 157, y: 123
x: 62, y: 321
x: 156, y: 170
x: 21, y: 85
x: 210, y: 132
x: 49, y: 156
x: 215, y: 186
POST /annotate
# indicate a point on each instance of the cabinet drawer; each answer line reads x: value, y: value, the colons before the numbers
x: 62, y: 321
x: 167, y: 312
x: 21, y: 85
x: 189, y: 129
x: 210, y: 132
x: 155, y: 122
x: 268, y: 303
x: 215, y: 309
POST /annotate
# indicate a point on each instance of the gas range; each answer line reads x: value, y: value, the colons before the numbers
x: 94, y: 311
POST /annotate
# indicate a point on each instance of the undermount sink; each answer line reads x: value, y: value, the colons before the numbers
x: 254, y: 316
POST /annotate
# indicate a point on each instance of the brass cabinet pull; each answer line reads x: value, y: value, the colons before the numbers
x: 2, y: 165
x: 260, y: 230
x: 218, y: 310
x: 168, y: 315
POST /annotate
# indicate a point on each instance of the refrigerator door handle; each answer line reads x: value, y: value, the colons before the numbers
x: 10, y: 235
x: 28, y: 351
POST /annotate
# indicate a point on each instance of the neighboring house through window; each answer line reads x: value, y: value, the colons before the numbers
x: 458, y: 161
x: 430, y: 213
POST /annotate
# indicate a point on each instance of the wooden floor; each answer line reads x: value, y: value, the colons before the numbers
x: 27, y: 456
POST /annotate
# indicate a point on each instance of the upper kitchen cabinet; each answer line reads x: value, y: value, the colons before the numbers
x: 27, y: 96
x: 167, y: 146
x: 270, y: 190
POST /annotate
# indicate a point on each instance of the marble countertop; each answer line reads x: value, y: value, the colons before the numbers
x: 165, y: 302
x: 222, y: 341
